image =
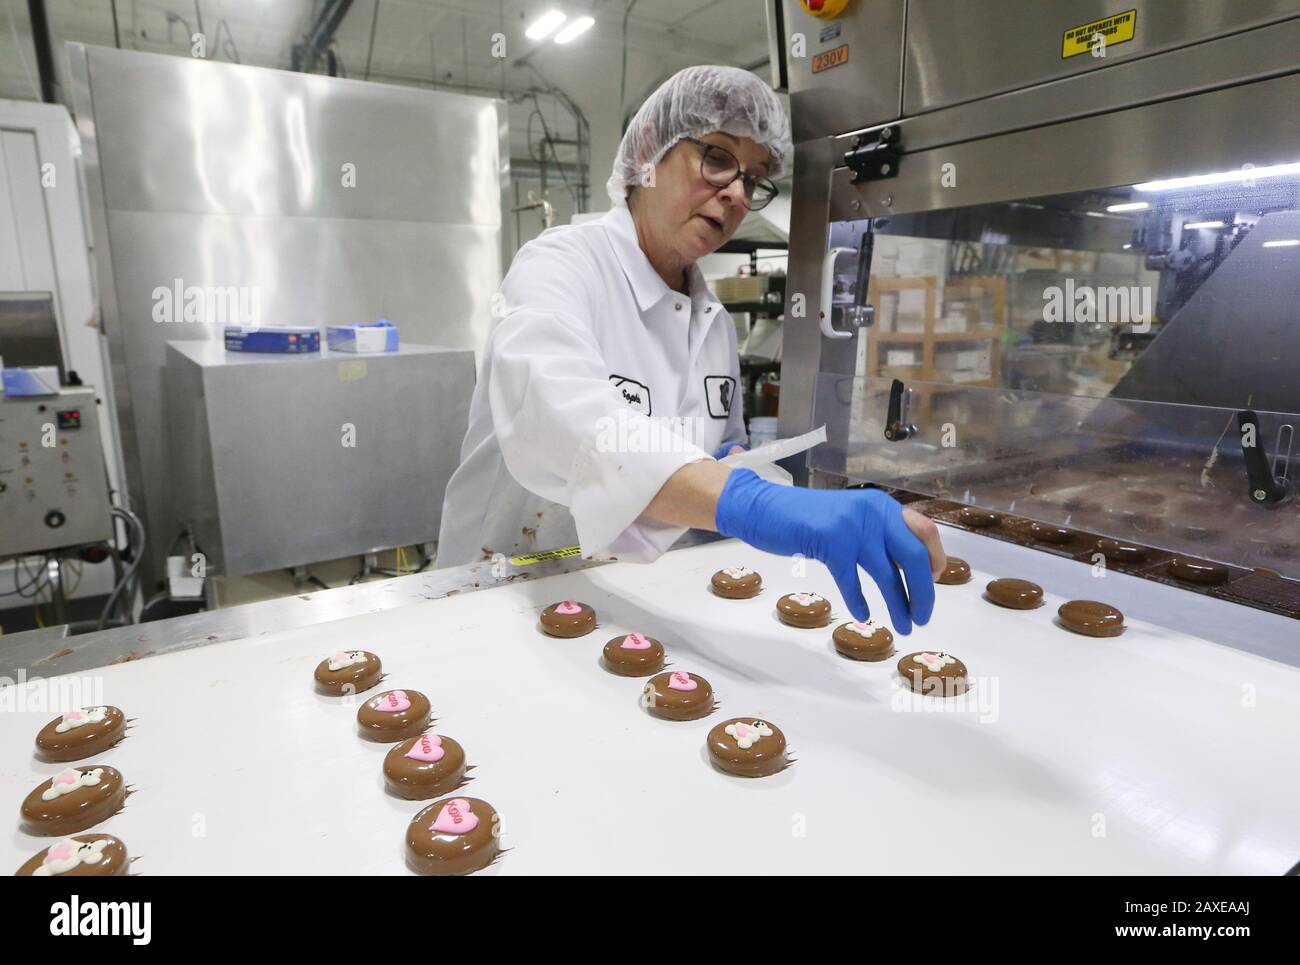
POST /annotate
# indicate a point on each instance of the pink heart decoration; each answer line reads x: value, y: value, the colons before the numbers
x: 742, y: 730
x: 682, y: 681
x: 455, y: 818
x: 568, y: 608
x: 393, y: 702
x: 635, y: 641
x: 72, y: 715
x: 427, y: 747
x: 60, y: 852
x: 66, y: 777
x: 338, y: 658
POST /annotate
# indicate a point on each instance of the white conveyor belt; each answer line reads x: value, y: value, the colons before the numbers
x: 1160, y: 751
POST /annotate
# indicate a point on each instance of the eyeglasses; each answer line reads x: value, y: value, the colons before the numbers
x: 720, y: 167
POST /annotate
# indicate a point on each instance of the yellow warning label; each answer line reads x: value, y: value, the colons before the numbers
x: 563, y: 554
x: 1111, y: 31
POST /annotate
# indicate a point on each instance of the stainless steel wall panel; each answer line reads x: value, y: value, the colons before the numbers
x: 222, y: 175
x: 958, y: 50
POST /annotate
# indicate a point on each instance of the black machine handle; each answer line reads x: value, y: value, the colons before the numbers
x: 1265, y: 488
x: 896, y: 429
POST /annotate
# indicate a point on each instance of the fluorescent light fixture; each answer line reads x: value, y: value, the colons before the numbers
x: 545, y: 25
x: 1221, y: 177
x: 1127, y: 246
x: 574, y: 29
x: 1284, y: 243
x: 1094, y: 214
x: 1128, y: 206
x: 1203, y: 224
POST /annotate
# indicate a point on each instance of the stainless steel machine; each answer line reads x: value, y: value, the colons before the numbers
x: 317, y: 200
x: 1045, y: 258
x: 284, y: 460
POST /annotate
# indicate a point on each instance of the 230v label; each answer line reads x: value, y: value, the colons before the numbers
x: 832, y: 58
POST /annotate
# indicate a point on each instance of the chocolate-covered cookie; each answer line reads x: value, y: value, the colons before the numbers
x: 634, y: 655
x: 678, y: 696
x: 568, y: 618
x: 748, y: 747
x: 736, y: 583
x: 1015, y: 594
x: 978, y: 518
x: 1051, y: 533
x: 456, y: 836
x: 1091, y: 618
x: 393, y: 715
x: 81, y: 856
x: 79, y: 734
x: 956, y: 572
x: 73, y: 800
x: 863, y: 641
x: 1117, y: 551
x: 426, y: 766
x: 804, y: 610
x: 934, y: 674
x: 348, y: 672
x: 1197, y: 571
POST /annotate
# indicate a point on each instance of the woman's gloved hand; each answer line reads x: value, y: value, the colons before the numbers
x: 843, y: 529
x: 726, y: 451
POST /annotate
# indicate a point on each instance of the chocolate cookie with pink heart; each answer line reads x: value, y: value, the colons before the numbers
x: 568, y: 618
x: 79, y: 734
x: 678, y: 696
x: 394, y: 715
x: 748, y: 747
x: 634, y: 655
x: 424, y: 767
x: 455, y: 836
x: 80, y: 856
x: 348, y: 672
x: 73, y: 800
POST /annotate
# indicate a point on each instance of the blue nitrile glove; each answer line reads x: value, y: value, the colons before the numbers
x: 843, y: 529
x: 726, y: 450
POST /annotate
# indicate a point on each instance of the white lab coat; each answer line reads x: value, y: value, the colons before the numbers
x: 569, y: 438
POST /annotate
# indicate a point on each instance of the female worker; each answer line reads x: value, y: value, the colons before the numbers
x: 609, y: 376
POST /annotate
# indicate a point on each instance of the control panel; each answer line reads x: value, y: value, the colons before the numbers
x: 53, y: 489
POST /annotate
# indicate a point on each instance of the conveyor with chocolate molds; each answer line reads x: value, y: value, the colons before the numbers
x: 1162, y: 751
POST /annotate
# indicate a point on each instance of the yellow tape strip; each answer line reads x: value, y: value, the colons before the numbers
x: 564, y: 554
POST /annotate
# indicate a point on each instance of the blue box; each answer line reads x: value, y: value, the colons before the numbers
x: 36, y: 380
x: 380, y: 336
x: 250, y: 338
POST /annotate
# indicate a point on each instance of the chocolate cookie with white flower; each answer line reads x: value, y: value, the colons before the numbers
x: 348, y: 672
x: 934, y: 674
x: 80, y: 856
x: 804, y: 610
x: 748, y: 747
x: 79, y: 734
x: 736, y: 583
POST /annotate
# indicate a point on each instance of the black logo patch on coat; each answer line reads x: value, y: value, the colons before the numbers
x: 719, y: 390
x: 634, y: 393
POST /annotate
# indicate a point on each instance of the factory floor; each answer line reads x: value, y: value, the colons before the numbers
x: 256, y: 587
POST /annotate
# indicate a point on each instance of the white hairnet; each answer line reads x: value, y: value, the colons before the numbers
x: 697, y: 101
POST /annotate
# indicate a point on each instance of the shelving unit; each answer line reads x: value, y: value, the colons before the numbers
x: 986, y: 332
